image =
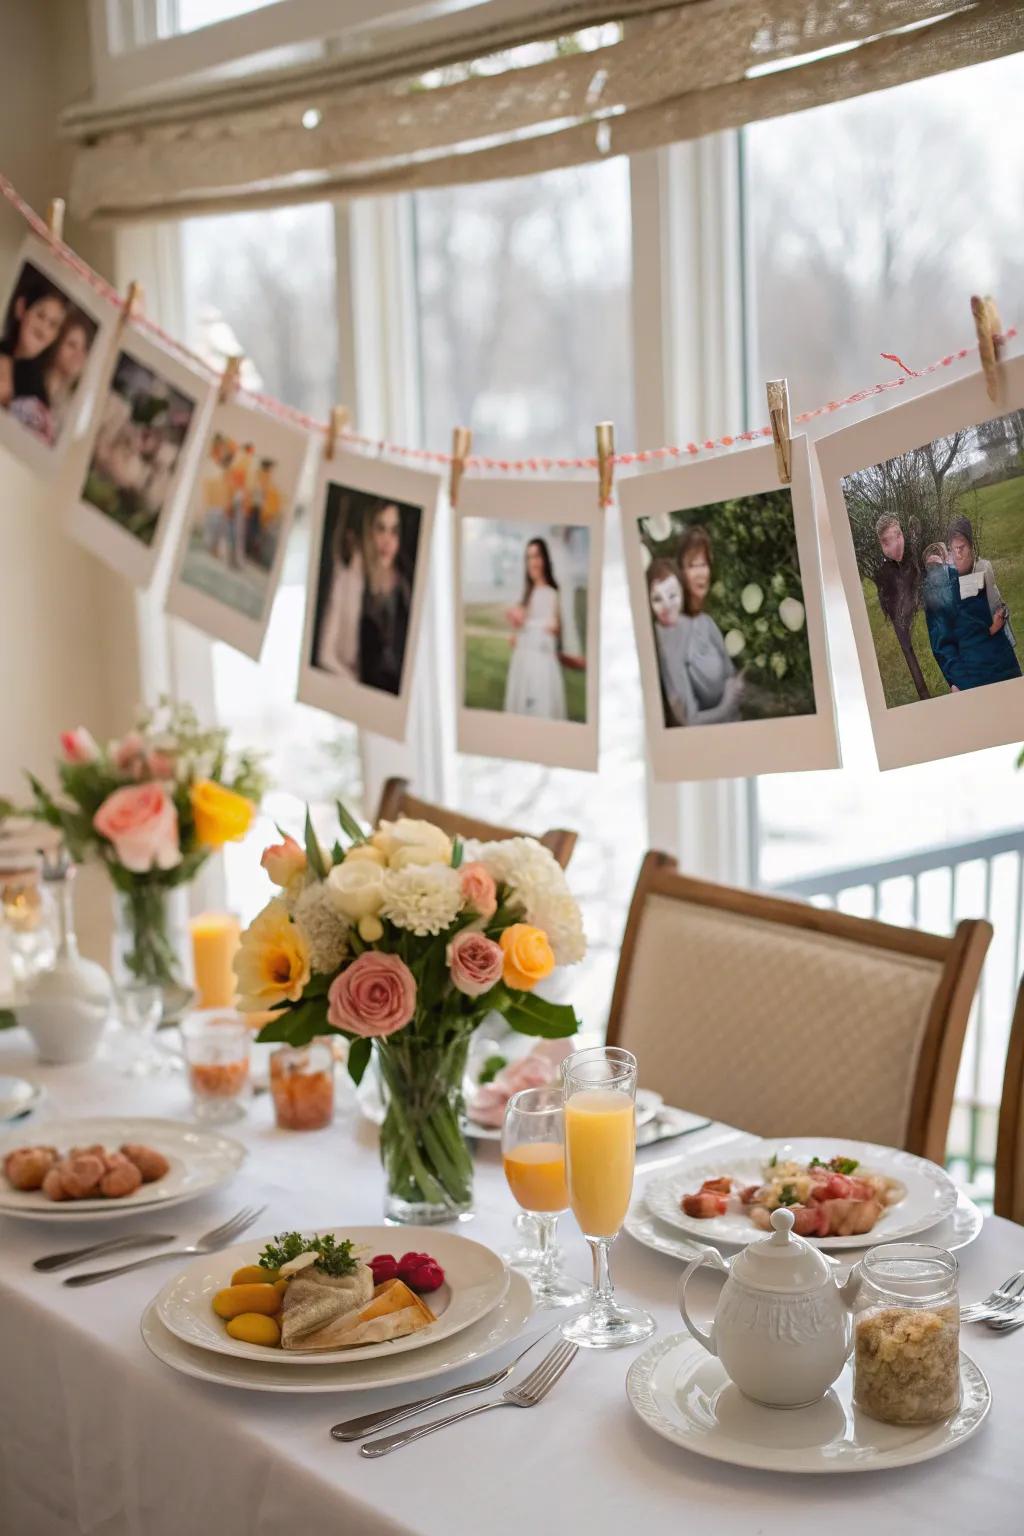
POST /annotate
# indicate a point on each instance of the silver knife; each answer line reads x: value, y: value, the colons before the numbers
x: 53, y: 1261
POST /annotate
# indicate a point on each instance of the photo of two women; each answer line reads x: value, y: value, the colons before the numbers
x: 367, y: 570
x: 44, y: 348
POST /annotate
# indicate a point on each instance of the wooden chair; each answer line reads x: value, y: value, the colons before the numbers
x: 1009, y: 1197
x: 787, y: 1019
x: 396, y: 801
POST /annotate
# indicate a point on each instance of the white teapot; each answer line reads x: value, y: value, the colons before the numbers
x: 782, y: 1325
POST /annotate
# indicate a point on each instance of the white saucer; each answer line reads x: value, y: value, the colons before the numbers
x: 17, y: 1098
x: 499, y: 1327
x: 683, y: 1393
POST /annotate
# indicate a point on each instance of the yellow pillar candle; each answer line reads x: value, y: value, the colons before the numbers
x: 215, y: 939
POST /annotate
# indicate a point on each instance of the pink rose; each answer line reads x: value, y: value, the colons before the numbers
x: 537, y: 1070
x: 283, y: 861
x: 142, y: 823
x: 129, y: 754
x: 78, y: 746
x: 475, y: 962
x: 479, y: 890
x: 372, y: 997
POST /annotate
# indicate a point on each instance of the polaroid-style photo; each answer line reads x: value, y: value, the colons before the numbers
x: 725, y: 586
x: 51, y: 351
x: 147, y: 425
x: 236, y: 525
x: 527, y: 619
x: 926, y: 502
x: 368, y: 566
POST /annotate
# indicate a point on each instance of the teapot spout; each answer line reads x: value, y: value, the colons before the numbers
x: 848, y: 1290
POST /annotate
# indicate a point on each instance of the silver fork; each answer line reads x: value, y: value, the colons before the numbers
x: 1006, y: 1297
x: 356, y: 1429
x: 527, y: 1395
x: 219, y: 1237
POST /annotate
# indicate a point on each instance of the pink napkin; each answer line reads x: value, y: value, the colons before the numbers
x: 537, y: 1070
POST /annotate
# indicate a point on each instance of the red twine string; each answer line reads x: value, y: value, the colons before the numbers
x: 275, y: 407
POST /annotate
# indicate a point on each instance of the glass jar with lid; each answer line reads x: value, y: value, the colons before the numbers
x: 906, y: 1334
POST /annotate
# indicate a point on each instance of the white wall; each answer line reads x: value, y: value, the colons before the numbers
x: 68, y: 651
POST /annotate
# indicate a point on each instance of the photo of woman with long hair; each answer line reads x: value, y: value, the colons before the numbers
x: 534, y: 685
x: 44, y: 348
x: 367, y: 566
x: 701, y: 684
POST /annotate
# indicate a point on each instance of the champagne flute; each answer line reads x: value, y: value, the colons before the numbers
x: 533, y: 1154
x: 599, y: 1088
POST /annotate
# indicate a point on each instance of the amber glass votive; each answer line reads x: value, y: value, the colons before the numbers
x: 302, y: 1083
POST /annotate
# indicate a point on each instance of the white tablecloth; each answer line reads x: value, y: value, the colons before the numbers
x: 97, y: 1436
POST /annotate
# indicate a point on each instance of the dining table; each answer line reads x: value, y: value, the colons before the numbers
x: 97, y: 1436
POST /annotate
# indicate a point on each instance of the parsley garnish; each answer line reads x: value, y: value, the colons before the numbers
x: 773, y: 1160
x: 490, y: 1069
x: 788, y: 1195
x: 844, y: 1164
x: 333, y: 1258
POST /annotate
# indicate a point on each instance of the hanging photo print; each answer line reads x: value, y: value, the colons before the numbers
x: 926, y: 503
x: 368, y: 564
x: 147, y: 425
x: 725, y: 587
x: 235, y: 530
x: 50, y: 353
x: 527, y: 619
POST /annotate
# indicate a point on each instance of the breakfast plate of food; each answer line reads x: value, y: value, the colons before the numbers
x: 334, y: 1295
x: 843, y: 1194
x: 110, y: 1166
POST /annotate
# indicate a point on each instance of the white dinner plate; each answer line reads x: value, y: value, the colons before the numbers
x: 930, y: 1192
x: 954, y: 1231
x: 267, y: 1374
x: 17, y: 1097
x: 683, y: 1393
x: 476, y: 1280
x: 200, y: 1161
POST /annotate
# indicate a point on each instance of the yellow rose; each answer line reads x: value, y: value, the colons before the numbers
x: 367, y: 852
x: 528, y: 956
x: 396, y: 840
x: 272, y: 963
x: 221, y: 816
x: 356, y: 889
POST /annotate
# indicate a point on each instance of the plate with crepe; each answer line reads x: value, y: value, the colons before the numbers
x: 312, y: 1299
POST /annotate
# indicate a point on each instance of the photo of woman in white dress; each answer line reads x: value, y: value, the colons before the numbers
x: 534, y: 685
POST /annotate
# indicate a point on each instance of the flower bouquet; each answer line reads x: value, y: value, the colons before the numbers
x: 401, y: 942
x: 151, y: 807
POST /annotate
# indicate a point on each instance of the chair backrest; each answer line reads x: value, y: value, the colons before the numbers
x: 787, y: 1019
x: 396, y: 801
x: 1009, y: 1196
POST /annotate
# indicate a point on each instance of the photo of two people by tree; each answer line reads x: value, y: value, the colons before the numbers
x: 939, y: 538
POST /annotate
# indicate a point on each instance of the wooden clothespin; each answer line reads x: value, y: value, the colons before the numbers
x: 229, y: 378
x: 55, y: 218
x: 133, y: 301
x: 605, y: 433
x: 778, y: 415
x: 989, y: 327
x: 339, y: 419
x: 462, y: 442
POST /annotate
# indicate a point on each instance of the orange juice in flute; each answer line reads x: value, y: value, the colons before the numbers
x: 533, y: 1154
x: 599, y: 1087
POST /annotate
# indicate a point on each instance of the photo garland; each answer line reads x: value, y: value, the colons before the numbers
x: 52, y: 348
x: 725, y: 586
x: 147, y: 424
x: 926, y: 504
x: 369, y: 562
x: 528, y: 566
x: 235, y: 529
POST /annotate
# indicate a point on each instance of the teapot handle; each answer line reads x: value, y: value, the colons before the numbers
x: 707, y: 1339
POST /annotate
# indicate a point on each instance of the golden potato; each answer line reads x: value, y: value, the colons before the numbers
x: 253, y: 1274
x: 236, y: 1299
x: 281, y: 1285
x: 255, y: 1328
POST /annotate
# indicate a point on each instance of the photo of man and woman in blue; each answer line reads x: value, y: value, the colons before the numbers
x: 939, y: 537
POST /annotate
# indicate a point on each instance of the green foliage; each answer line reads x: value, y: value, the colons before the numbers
x: 490, y: 1069
x: 314, y: 853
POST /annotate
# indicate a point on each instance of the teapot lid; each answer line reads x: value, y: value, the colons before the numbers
x: 782, y: 1262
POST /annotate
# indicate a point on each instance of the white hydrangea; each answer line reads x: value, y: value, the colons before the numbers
x: 425, y: 898
x: 535, y: 883
x: 323, y: 927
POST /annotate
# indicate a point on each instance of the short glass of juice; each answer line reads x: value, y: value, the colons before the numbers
x: 533, y: 1154
x: 216, y: 1049
x: 302, y: 1085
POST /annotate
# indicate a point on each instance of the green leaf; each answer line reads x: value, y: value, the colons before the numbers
x: 337, y: 852
x: 532, y: 1015
x: 297, y: 1025
x: 490, y: 1069
x: 458, y: 849
x: 349, y: 825
x: 314, y: 853
x: 359, y: 1053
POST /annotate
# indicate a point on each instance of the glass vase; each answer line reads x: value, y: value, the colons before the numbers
x: 427, y: 1162
x: 150, y: 944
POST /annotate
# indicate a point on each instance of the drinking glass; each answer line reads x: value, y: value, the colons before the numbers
x: 533, y: 1153
x: 599, y: 1089
x: 217, y: 1062
x: 302, y: 1085
x: 140, y: 1007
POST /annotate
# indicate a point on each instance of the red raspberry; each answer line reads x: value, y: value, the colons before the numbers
x: 384, y: 1268
x: 420, y: 1272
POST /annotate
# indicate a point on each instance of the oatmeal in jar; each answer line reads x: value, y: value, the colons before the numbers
x: 906, y: 1363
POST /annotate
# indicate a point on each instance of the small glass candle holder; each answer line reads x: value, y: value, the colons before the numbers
x: 216, y: 1052
x: 906, y: 1334
x: 302, y: 1084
